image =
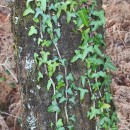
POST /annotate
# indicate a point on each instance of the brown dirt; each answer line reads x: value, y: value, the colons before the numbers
x: 118, y: 48
x: 9, y: 90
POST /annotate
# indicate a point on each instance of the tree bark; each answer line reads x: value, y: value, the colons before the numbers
x: 36, y: 100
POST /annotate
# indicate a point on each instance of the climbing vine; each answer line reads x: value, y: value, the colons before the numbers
x: 88, y: 21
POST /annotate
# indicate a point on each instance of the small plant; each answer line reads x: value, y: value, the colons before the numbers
x: 46, y: 15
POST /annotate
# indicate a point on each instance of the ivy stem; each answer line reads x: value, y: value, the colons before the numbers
x: 91, y: 92
x: 67, y: 84
x: 54, y: 89
x: 57, y: 51
x: 41, y: 28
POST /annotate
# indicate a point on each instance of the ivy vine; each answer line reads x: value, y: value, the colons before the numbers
x: 83, y: 15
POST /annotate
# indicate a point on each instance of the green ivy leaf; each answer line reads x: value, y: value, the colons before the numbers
x: 70, y: 16
x: 105, y: 106
x: 29, y: 10
x: 38, y: 12
x: 58, y: 32
x: 83, y: 16
x: 86, y: 50
x: 40, y: 76
x: 43, y: 4
x: 60, y: 84
x: 49, y: 23
x: 28, y: 2
x: 82, y: 93
x: 93, y: 113
x: 109, y: 64
x: 70, y: 77
x: 83, y: 79
x: 100, y: 15
x: 59, y: 77
x: 63, y: 99
x: 72, y: 118
x: 97, y: 50
x: 54, y: 107
x: 59, y: 123
x: 36, y: 57
x: 51, y: 67
x: 61, y: 128
x: 32, y: 31
x: 69, y: 91
x: 77, y: 56
x: 72, y: 99
x: 72, y: 5
x: 57, y: 95
x: 2, y: 79
x: 99, y: 74
x: 54, y: 17
x: 44, y: 56
x: 49, y: 84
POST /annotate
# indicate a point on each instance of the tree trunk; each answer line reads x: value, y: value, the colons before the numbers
x: 36, y: 99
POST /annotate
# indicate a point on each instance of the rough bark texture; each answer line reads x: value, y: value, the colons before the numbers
x: 36, y: 101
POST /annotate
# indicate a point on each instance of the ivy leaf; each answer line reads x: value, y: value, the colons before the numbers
x: 105, y: 106
x: 77, y: 56
x: 72, y: 99
x: 100, y: 15
x: 72, y: 118
x: 86, y: 51
x: 83, y: 16
x: 60, y: 84
x: 95, y: 60
x: 57, y: 95
x: 63, y: 61
x: 99, y: 74
x: 27, y: 3
x: 32, y: 31
x: 49, y: 84
x: 70, y: 16
x: 40, y: 75
x: 54, y: 107
x: 43, y: 4
x: 58, y: 32
x: 72, y: 5
x: 96, y: 25
x: 69, y: 91
x: 51, y: 67
x: 70, y: 127
x: 108, y: 97
x: 29, y: 10
x: 83, y: 78
x: 70, y: 77
x: 35, y: 57
x: 54, y: 17
x: 109, y: 64
x: 82, y: 93
x: 59, y: 77
x: 61, y: 128
x: 38, y: 12
x: 63, y: 99
x: 2, y: 79
x: 98, y: 51
x: 44, y: 56
x: 93, y: 113
x: 59, y: 123
x: 49, y: 23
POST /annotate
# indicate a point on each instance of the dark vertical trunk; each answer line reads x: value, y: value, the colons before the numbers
x: 36, y: 99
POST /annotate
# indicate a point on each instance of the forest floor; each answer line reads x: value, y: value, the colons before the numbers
x: 118, y: 48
